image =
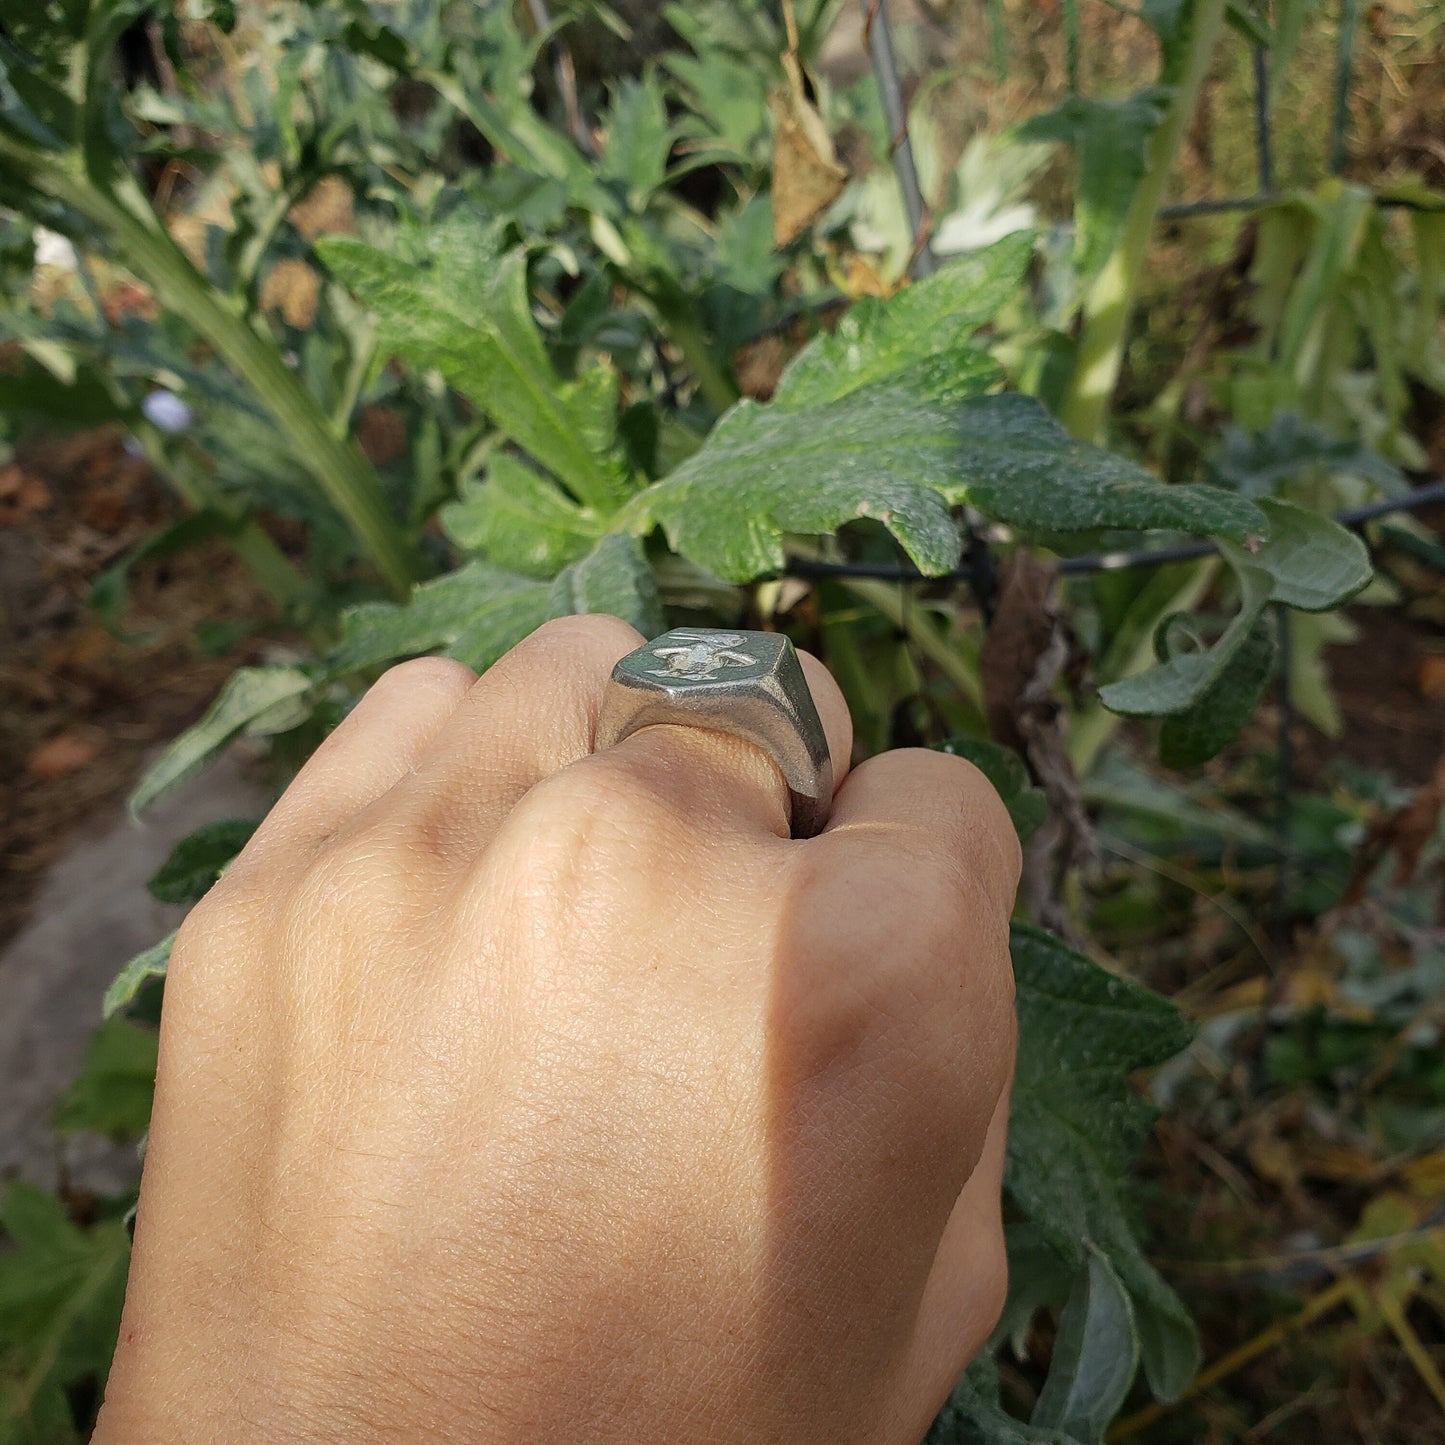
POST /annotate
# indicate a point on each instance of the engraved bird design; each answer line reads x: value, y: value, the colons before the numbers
x: 705, y: 654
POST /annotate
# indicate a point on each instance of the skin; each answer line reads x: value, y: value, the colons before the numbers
x: 510, y: 1092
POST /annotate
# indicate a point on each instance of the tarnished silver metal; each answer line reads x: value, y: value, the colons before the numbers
x: 749, y: 684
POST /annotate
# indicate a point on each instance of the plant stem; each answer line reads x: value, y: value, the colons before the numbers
x: 143, y: 246
x: 686, y: 334
x: 1110, y: 299
x: 1133, y: 650
x: 887, y: 598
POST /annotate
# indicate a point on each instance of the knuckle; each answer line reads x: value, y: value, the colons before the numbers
x: 602, y: 804
x: 581, y: 631
x: 368, y: 872
x: 984, y: 832
x: 439, y: 674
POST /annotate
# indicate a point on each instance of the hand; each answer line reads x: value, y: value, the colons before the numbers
x: 512, y: 1092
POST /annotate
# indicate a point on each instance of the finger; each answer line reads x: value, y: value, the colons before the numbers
x: 967, y: 1286
x: 532, y: 713
x: 721, y: 782
x: 916, y: 798
x: 373, y: 747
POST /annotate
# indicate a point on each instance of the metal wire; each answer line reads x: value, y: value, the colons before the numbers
x: 1353, y: 517
x: 878, y: 37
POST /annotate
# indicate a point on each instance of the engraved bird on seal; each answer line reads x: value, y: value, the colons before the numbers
x: 704, y: 656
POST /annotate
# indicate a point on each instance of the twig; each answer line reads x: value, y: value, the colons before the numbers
x: 879, y: 40
x: 1264, y: 140
x: 1283, y: 781
x: 565, y: 73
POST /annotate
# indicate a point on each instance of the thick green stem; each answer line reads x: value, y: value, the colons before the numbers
x: 684, y: 332
x: 143, y: 246
x: 1110, y: 299
x: 888, y: 599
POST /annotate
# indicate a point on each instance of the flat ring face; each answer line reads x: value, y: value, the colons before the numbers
x: 749, y: 684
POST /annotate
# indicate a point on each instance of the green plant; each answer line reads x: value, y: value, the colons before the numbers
x: 559, y: 326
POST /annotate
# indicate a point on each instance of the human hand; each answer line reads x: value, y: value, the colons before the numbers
x: 512, y: 1092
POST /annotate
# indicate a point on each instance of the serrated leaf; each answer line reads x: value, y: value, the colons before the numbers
x: 112, y: 1093
x: 902, y: 451
x: 1076, y: 1125
x: 1197, y: 734
x: 443, y: 298
x: 638, y: 140
x: 1111, y: 140
x: 152, y: 963
x: 875, y: 339
x: 516, y: 518
x: 614, y: 578
x: 1003, y: 767
x: 251, y: 696
x: 1096, y: 1352
x: 197, y: 861
x: 1314, y: 563
x: 460, y: 610
x: 61, y: 1292
x: 476, y: 613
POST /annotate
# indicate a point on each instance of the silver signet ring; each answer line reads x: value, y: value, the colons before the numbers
x: 749, y: 684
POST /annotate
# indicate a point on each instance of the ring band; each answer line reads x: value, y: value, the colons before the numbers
x: 749, y: 684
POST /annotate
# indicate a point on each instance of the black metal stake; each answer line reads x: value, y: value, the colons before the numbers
x: 1283, y: 781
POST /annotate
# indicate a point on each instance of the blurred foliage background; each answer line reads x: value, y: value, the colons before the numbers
x: 341, y: 332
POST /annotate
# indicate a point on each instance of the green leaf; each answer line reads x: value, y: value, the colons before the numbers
x: 478, y: 612
x: 1309, y: 561
x: 1197, y: 734
x: 902, y: 451
x: 254, y: 699
x: 1111, y: 140
x: 1076, y: 1126
x: 518, y: 519
x: 1314, y: 563
x: 1096, y: 1352
x: 614, y: 578
x: 876, y: 339
x: 1037, y: 1279
x: 112, y: 1093
x: 1182, y: 679
x: 445, y: 299
x: 1289, y: 20
x: 974, y: 1416
x: 638, y: 139
x: 1257, y: 464
x: 199, y: 859
x: 1310, y: 634
x: 1009, y: 775
x: 136, y: 974
x: 1168, y: 809
x: 61, y: 1292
